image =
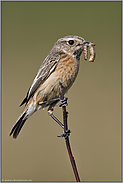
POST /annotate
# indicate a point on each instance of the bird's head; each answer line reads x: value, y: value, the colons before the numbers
x: 72, y: 45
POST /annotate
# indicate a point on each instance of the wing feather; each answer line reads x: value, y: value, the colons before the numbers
x: 47, y: 67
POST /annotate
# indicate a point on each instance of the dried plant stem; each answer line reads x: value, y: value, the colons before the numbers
x: 65, y: 114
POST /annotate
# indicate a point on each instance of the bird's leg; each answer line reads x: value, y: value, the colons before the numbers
x: 50, y: 112
x: 64, y: 134
x: 51, y: 108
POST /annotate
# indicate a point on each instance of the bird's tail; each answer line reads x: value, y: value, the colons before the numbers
x: 27, y: 112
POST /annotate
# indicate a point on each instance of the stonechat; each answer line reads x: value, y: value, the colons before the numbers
x: 61, y: 65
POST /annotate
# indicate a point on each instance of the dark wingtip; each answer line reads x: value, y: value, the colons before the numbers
x: 24, y: 101
x: 10, y: 133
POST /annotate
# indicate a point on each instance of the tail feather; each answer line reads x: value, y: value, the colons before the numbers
x: 18, y: 125
x: 29, y: 109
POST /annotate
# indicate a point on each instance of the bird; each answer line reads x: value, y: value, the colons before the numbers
x: 60, y: 65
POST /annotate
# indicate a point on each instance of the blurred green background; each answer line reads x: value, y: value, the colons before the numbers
x: 29, y: 30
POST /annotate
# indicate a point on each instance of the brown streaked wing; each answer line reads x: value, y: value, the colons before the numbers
x: 47, y: 67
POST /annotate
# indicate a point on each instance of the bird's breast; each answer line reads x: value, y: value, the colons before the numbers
x: 65, y: 72
x: 67, y: 69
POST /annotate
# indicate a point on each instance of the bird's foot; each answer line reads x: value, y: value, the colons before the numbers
x: 65, y: 134
x: 63, y: 102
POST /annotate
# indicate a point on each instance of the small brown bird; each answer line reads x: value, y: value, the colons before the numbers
x: 61, y: 65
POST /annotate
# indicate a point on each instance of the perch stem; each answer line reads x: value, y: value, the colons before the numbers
x: 65, y: 115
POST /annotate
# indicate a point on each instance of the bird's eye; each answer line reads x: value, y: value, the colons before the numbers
x: 71, y: 42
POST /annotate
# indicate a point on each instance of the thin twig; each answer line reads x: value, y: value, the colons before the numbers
x: 65, y: 114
